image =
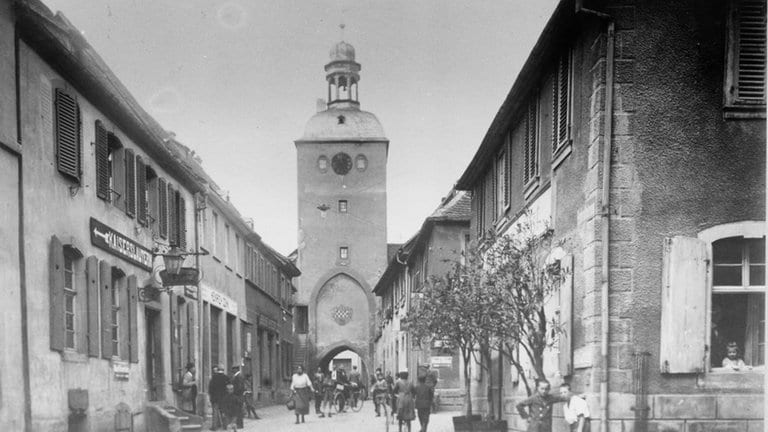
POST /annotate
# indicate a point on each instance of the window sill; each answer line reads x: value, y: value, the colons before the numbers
x: 561, y: 154
x: 531, y: 187
x: 69, y: 356
x: 744, y: 112
x: 721, y: 379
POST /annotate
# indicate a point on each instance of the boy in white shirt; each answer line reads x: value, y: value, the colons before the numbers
x: 575, y: 410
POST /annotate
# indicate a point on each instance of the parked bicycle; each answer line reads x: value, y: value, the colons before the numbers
x: 339, y: 397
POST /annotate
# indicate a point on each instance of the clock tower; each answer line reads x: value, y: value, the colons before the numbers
x: 342, y: 208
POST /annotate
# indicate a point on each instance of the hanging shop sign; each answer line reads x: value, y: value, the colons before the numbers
x: 104, y: 237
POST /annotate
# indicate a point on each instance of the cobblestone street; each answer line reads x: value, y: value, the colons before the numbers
x: 277, y: 419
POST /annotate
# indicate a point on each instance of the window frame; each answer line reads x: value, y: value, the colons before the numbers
x: 343, y: 206
x: 73, y: 173
x: 747, y: 230
x: 343, y: 253
x: 70, y: 272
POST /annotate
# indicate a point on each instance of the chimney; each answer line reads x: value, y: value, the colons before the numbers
x: 321, y: 105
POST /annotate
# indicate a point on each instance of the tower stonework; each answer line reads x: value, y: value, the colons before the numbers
x: 342, y: 207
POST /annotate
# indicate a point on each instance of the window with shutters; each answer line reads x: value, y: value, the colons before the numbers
x: 215, y: 234
x: 738, y: 290
x: 114, y: 311
x: 744, y: 87
x: 226, y: 244
x: 501, y: 184
x: 68, y: 298
x: 561, y: 105
x: 531, y: 156
x: 152, y: 192
x: 142, y: 198
x: 162, y: 206
x: 239, y: 257
x: 129, y: 160
x: 181, y: 220
x: 68, y: 134
x: 173, y: 229
x: 478, y: 200
x: 202, y: 226
x: 70, y: 291
x: 115, y: 169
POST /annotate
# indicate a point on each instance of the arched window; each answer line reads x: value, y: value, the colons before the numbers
x: 738, y: 290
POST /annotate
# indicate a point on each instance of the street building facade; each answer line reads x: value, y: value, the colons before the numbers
x: 95, y: 192
x: 636, y: 132
x: 342, y: 205
x: 431, y: 252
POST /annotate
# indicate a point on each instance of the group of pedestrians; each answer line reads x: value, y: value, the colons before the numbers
x: 231, y: 398
x: 405, y: 398
x: 537, y: 409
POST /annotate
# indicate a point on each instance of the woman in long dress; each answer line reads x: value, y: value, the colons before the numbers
x: 405, y: 405
x: 302, y: 389
x: 189, y: 389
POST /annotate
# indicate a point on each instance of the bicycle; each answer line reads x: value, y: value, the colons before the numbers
x: 339, y: 398
x: 357, y: 397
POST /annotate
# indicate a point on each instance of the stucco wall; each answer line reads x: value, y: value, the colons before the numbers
x: 52, y: 208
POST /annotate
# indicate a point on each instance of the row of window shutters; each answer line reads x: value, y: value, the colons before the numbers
x: 93, y: 327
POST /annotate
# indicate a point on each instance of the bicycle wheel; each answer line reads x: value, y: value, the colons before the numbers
x: 338, y: 403
x: 357, y: 405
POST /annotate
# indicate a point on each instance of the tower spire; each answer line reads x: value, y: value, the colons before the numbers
x: 342, y: 74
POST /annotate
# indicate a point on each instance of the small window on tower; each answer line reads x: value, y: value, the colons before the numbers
x: 322, y: 163
x: 344, y: 252
x: 361, y: 162
x: 341, y: 119
x: 343, y: 206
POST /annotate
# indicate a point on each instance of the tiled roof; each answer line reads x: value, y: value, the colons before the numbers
x: 456, y: 206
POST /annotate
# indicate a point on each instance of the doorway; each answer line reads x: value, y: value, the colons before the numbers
x: 154, y: 353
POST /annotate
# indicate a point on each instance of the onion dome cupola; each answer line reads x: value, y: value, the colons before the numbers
x: 342, y: 74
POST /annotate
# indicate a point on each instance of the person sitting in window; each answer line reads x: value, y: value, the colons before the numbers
x: 733, y: 361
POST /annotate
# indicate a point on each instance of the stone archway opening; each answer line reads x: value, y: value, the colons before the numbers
x: 346, y: 357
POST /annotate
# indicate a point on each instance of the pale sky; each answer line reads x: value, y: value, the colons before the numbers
x: 237, y: 80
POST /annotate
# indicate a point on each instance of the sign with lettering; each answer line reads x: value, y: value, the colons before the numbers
x: 104, y: 237
x: 441, y: 361
x: 122, y: 370
x: 219, y: 300
x: 186, y: 276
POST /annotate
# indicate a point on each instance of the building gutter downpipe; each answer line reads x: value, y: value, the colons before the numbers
x: 605, y: 210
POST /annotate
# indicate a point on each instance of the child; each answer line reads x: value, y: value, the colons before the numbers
x: 733, y: 361
x: 230, y: 407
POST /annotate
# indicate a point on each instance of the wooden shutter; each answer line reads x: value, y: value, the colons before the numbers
x: 163, y: 207
x: 67, y: 117
x: 141, y: 191
x: 751, y: 50
x: 563, y: 90
x: 531, y: 160
x: 102, y: 163
x: 105, y: 284
x: 133, y: 325
x: 173, y: 221
x: 123, y: 320
x: 57, y: 335
x: 566, y: 317
x: 182, y: 216
x: 683, y: 305
x: 507, y: 168
x: 92, y: 275
x: 130, y: 183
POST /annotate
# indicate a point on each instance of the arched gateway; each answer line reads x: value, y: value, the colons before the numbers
x: 342, y: 207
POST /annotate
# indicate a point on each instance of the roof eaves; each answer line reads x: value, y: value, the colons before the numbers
x: 529, y: 75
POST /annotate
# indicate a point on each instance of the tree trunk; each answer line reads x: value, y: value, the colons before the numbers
x: 467, y: 382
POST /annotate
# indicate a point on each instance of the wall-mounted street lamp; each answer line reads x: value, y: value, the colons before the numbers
x: 172, y: 274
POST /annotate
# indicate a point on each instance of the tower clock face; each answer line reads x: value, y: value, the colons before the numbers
x: 341, y: 163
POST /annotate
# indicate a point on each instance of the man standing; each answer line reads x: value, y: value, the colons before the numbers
x: 539, y: 408
x: 238, y: 381
x: 575, y: 410
x: 357, y: 383
x: 217, y: 387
